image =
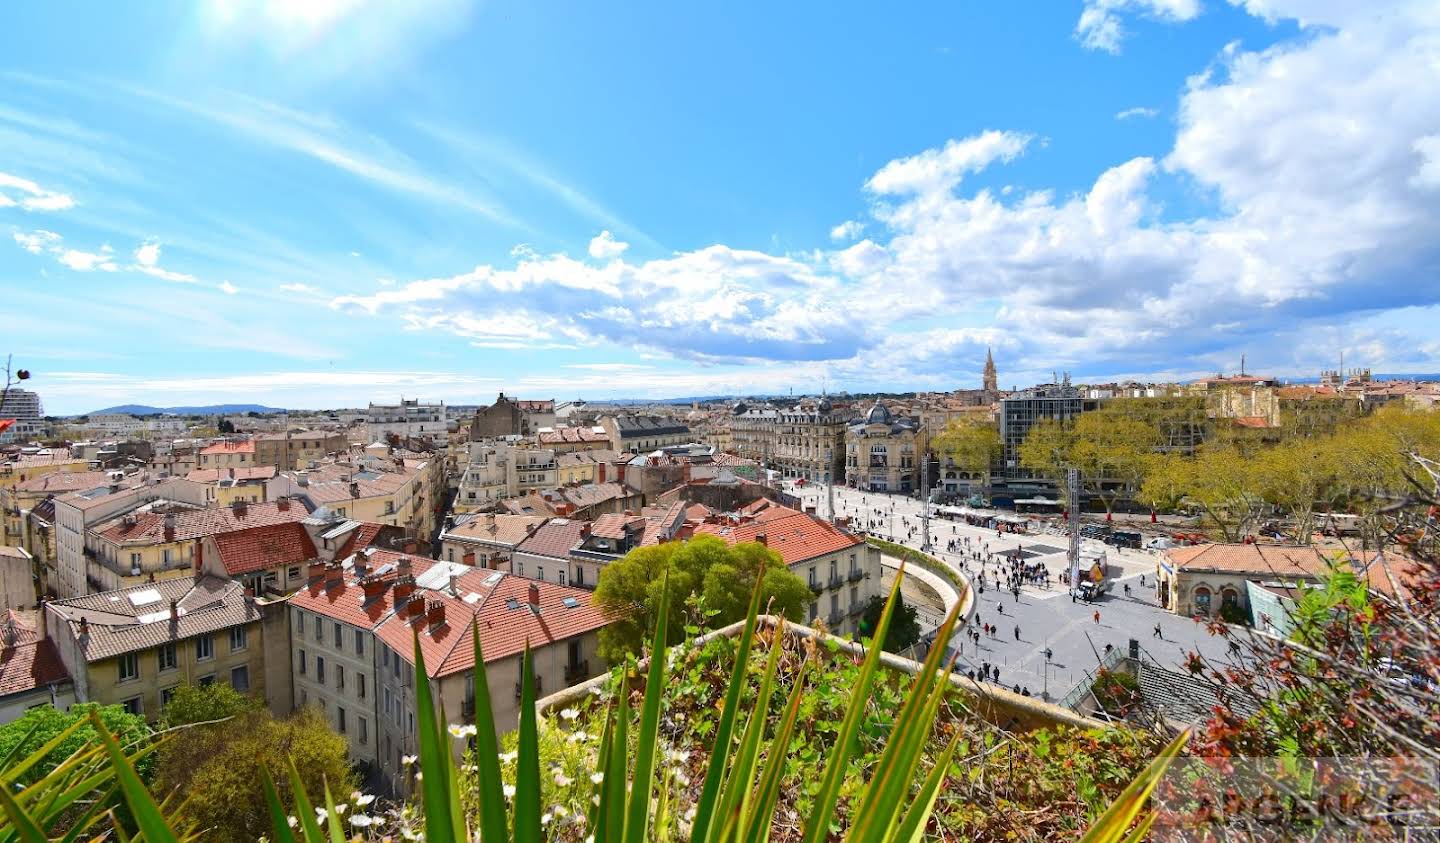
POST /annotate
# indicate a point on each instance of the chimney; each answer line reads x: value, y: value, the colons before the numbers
x: 84, y: 627
x: 468, y: 558
x: 415, y: 607
x: 763, y: 539
x: 435, y: 616
x: 454, y: 585
x: 354, y: 490
x: 372, y: 588
x: 169, y: 526
x: 403, y: 566
x: 404, y: 587
x: 174, y: 611
x: 250, y: 591
x: 585, y: 530
x: 535, y: 597
x: 283, y: 505
x: 361, y: 565
x: 238, y: 507
x: 316, y: 572
x: 412, y: 547
x: 334, y: 576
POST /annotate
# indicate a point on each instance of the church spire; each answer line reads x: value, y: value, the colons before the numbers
x: 991, y: 380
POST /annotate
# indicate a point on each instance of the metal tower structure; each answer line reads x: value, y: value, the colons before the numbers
x: 1072, y: 482
x: 925, y: 502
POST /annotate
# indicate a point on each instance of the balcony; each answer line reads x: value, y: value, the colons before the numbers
x: 878, y: 462
x: 467, y: 710
x: 856, y: 575
x: 577, y: 672
x: 539, y: 692
x: 817, y: 589
x: 834, y: 619
x: 836, y: 580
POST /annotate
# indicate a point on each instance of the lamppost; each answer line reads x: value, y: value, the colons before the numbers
x: 1045, y: 690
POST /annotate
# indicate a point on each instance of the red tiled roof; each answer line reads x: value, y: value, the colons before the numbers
x: 245, y: 447
x: 359, y: 538
x: 555, y: 539
x: 794, y: 535
x: 1298, y: 561
x: 244, y: 472
x: 149, y: 527
x: 65, y: 481
x: 259, y: 548
x: 346, y: 602
x: 25, y: 667
x: 489, y: 528
x: 504, y: 631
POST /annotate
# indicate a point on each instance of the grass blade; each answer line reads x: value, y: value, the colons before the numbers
x: 527, y: 769
x: 736, y: 792
x: 278, y: 820
x: 487, y: 751
x: 612, y: 814
x: 647, y: 741
x: 1112, y: 825
x: 818, y: 826
x: 142, y: 805
x: 24, y: 826
x: 434, y: 758
x: 304, y: 811
x: 911, y: 828
x: 332, y: 819
x: 725, y: 729
x: 773, y: 772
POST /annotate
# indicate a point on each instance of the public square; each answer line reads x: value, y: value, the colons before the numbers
x: 1046, y: 617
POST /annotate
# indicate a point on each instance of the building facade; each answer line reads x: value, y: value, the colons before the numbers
x: 884, y: 453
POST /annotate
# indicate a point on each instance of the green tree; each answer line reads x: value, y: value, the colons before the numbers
x: 704, y: 570
x: 972, y: 446
x: 1223, y: 483
x: 904, y: 624
x: 216, y: 769
x: 206, y: 703
x: 1112, y: 451
x: 1048, y: 449
x: 48, y: 721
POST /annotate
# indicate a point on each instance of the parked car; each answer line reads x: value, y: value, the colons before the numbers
x: 1159, y: 543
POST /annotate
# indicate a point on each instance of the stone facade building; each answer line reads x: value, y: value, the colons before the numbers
x: 883, y: 453
x: 511, y: 417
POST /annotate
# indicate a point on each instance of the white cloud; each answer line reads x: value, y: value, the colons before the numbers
x: 32, y: 197
x: 846, y: 231
x: 1137, y: 111
x: 228, y: 289
x: 166, y: 274
x: 303, y: 289
x: 1100, y: 27
x: 37, y: 241
x: 604, y: 246
x: 1429, y: 173
x: 148, y: 254
x: 938, y: 170
x: 87, y: 261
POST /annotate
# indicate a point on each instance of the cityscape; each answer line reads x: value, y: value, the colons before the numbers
x: 368, y: 473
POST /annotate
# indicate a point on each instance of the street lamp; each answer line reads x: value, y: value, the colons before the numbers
x: 1045, y: 677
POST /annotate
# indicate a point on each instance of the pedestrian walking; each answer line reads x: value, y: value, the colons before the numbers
x: 1097, y: 617
x: 1017, y: 632
x: 1158, y: 633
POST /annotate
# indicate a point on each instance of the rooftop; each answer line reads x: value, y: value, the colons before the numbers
x: 260, y: 548
x: 149, y: 527
x: 139, y: 618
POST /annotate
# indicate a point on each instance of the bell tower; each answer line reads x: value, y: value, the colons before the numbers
x: 991, y: 380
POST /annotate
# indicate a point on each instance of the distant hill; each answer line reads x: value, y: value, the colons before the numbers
x: 207, y: 410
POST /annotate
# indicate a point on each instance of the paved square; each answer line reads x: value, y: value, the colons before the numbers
x: 1029, y: 550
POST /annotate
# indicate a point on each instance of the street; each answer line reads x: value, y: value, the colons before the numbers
x: 1046, y: 617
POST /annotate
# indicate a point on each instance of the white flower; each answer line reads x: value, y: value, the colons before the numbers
x: 360, y: 820
x: 545, y: 818
x: 559, y: 810
x: 509, y: 790
x: 292, y: 821
x: 458, y: 731
x: 407, y: 760
x: 507, y: 757
x: 340, y: 809
x: 419, y: 776
x: 320, y: 814
x: 677, y: 756
x: 563, y: 780
x: 361, y: 799
x: 682, y: 778
x: 690, y: 814
x: 597, y: 777
x: 408, y: 834
x: 569, y: 714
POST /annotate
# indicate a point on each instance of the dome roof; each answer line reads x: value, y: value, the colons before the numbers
x: 878, y: 414
x: 824, y: 406
x: 739, y: 408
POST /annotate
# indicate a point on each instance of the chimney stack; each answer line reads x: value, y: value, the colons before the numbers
x: 412, y: 547
x: 316, y: 572
x: 361, y: 565
x: 454, y: 585
x: 763, y: 539
x: 468, y: 558
x: 535, y: 597
x: 435, y: 616
x: 84, y: 626
x: 372, y: 588
x: 283, y: 505
x: 250, y: 591
x: 334, y: 576
x: 404, y: 587
x: 174, y: 611
x: 403, y: 566
x: 415, y: 608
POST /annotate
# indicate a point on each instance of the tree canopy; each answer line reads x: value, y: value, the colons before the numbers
x: 972, y: 445
x: 48, y: 722
x: 904, y: 628
x: 704, y: 570
x: 216, y: 769
x: 205, y: 704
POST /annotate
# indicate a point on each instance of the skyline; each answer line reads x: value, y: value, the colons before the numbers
x: 253, y: 204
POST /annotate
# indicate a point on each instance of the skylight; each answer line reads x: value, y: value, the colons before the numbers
x: 144, y: 597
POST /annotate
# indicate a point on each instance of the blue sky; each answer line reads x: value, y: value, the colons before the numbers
x: 328, y: 203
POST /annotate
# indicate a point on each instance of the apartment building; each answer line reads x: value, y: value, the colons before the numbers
x: 409, y: 419
x: 19, y: 499
x: 78, y: 567
x: 397, y: 491
x: 134, y: 646
x: 162, y: 539
x: 636, y: 434
x: 226, y: 486
x: 228, y: 454
x: 567, y: 440
x: 1060, y: 402
x: 270, y: 560
x: 509, y: 417
x: 34, y: 462
x: 498, y: 470
x: 31, y: 672
x: 17, y: 579
x: 883, y: 452
x: 487, y: 540
x: 297, y: 449
x: 354, y: 629
x: 843, y: 571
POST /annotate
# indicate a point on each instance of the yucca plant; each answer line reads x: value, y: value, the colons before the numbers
x: 738, y: 797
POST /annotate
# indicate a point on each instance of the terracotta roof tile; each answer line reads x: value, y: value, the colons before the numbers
x: 794, y: 535
x: 245, y: 447
x: 244, y: 472
x: 149, y: 527
x: 554, y: 539
x: 260, y: 548
x: 507, y: 530
x: 117, y: 623
x: 25, y: 667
